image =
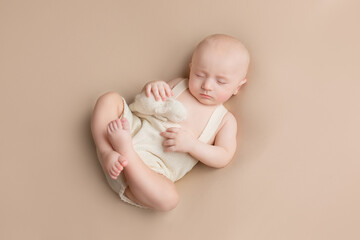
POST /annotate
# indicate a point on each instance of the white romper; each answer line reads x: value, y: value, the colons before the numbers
x: 147, y: 142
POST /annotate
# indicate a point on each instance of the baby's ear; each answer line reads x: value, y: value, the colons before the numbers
x: 239, y: 86
x: 243, y: 81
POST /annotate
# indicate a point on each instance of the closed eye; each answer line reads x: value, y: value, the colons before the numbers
x: 221, y: 82
x: 199, y: 75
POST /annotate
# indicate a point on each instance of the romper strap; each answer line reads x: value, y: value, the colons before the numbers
x: 213, y: 124
x: 180, y: 87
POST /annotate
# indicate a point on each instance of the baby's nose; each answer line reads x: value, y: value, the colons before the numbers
x: 206, y: 85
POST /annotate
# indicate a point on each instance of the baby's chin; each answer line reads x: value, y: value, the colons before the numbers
x: 208, y: 101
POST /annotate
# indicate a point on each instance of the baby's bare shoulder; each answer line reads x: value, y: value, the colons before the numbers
x: 228, y: 125
x: 229, y: 119
x: 226, y: 136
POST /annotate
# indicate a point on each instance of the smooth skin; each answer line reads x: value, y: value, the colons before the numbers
x: 217, y: 71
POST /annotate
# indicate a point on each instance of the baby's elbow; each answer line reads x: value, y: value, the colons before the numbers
x: 227, y: 158
x: 224, y: 162
x: 220, y: 166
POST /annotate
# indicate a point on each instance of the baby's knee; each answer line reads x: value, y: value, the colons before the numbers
x: 168, y: 202
x: 110, y: 97
x: 111, y: 100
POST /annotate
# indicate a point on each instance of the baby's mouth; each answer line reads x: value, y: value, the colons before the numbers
x: 205, y: 95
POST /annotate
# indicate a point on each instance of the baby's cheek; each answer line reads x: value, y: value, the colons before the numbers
x: 223, y: 97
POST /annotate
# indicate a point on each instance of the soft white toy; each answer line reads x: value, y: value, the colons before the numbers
x: 169, y: 110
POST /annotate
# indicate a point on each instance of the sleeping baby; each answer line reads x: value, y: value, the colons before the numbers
x: 148, y: 145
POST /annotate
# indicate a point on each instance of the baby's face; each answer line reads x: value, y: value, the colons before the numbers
x: 215, y: 75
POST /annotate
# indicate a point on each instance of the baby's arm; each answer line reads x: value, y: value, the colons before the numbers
x: 217, y: 155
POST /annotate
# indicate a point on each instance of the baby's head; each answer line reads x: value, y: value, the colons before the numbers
x: 218, y: 69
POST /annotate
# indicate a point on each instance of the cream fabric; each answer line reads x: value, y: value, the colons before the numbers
x: 146, y: 125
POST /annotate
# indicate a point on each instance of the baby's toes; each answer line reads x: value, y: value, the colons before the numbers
x: 122, y: 161
x: 110, y: 128
x: 118, y: 166
x: 113, y: 125
x: 113, y: 174
x: 125, y: 123
x: 118, y: 123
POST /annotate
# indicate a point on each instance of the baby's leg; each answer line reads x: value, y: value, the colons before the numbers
x: 107, y: 108
x: 146, y: 187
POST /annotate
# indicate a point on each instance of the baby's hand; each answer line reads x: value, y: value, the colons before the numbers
x: 178, y: 140
x: 160, y: 90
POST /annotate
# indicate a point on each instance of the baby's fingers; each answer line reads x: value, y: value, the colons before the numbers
x: 162, y: 93
x: 168, y: 143
x: 168, y: 90
x: 173, y: 130
x: 155, y: 92
x: 168, y: 134
x: 170, y: 149
x: 148, y: 90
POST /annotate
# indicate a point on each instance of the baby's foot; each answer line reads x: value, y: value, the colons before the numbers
x: 113, y: 163
x: 119, y: 135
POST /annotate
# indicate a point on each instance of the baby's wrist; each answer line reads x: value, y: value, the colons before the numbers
x: 192, y: 145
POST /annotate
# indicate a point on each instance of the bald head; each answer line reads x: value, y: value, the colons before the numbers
x: 225, y: 45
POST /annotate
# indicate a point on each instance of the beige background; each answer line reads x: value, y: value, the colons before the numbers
x: 296, y: 171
